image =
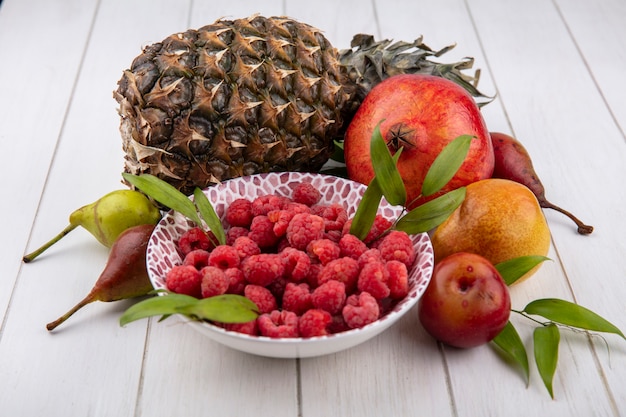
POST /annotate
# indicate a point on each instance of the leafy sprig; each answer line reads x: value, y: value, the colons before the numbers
x: 227, y: 308
x: 388, y: 183
x: 167, y: 195
x: 558, y: 314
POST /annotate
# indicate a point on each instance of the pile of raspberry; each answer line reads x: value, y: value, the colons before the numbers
x: 296, y: 260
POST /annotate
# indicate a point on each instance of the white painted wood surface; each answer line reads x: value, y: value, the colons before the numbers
x: 558, y: 69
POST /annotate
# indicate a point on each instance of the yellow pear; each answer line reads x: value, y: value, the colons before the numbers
x: 107, y: 217
x: 499, y: 220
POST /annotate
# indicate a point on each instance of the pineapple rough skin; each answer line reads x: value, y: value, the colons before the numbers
x: 230, y: 99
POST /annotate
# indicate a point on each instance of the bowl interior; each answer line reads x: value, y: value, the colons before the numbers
x: 162, y: 255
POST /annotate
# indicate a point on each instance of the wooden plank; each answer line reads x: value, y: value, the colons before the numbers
x: 197, y: 376
x: 42, y: 373
x: 600, y: 35
x: 206, y: 12
x: 30, y: 132
x: 556, y: 110
x: 347, y: 18
x: 399, y: 373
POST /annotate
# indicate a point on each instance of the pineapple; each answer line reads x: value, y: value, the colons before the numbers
x: 252, y: 95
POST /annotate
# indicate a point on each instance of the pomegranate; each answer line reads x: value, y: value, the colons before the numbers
x: 420, y: 114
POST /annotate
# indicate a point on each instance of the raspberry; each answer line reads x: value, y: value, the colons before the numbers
x: 224, y: 257
x: 281, y: 218
x: 236, y: 281
x: 214, y: 282
x: 297, y: 264
x: 344, y: 270
x: 398, y: 279
x: 306, y: 193
x: 370, y: 255
x: 360, y: 310
x: 337, y: 325
x: 282, y: 244
x: 297, y: 298
x: 262, y: 232
x: 295, y: 207
x: 262, y: 269
x: 333, y: 235
x: 250, y: 327
x: 195, y: 238
x: 380, y: 226
x: 198, y: 258
x: 235, y: 232
x: 373, y: 279
x: 324, y: 250
x: 278, y: 287
x: 265, y: 203
x: 278, y: 324
x: 262, y: 297
x: 239, y: 213
x: 303, y: 228
x: 246, y: 247
x: 334, y: 215
x: 314, y: 323
x: 329, y: 296
x: 352, y: 246
x: 397, y: 246
x: 184, y: 279
x: 313, y: 275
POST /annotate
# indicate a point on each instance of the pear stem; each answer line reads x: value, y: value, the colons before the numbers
x: 583, y: 229
x: 31, y: 256
x: 88, y: 299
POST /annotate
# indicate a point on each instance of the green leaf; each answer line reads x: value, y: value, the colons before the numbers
x: 510, y: 343
x: 209, y: 215
x: 546, y: 340
x: 156, y: 306
x: 367, y: 210
x: 165, y: 194
x: 386, y: 171
x: 432, y: 213
x: 446, y: 164
x: 571, y: 314
x: 338, y: 155
x: 514, y: 269
x: 227, y: 308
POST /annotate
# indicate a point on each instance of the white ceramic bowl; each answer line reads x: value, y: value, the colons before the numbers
x: 162, y: 256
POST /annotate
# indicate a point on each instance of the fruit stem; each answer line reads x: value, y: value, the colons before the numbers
x: 523, y: 314
x: 88, y: 299
x: 583, y: 229
x: 31, y: 256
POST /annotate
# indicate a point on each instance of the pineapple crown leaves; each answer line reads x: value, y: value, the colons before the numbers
x: 546, y: 337
x: 369, y: 62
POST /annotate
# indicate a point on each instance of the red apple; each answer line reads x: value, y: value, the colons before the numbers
x: 421, y: 114
x: 467, y: 303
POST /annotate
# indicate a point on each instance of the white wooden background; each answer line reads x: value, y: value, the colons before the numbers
x: 558, y: 67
